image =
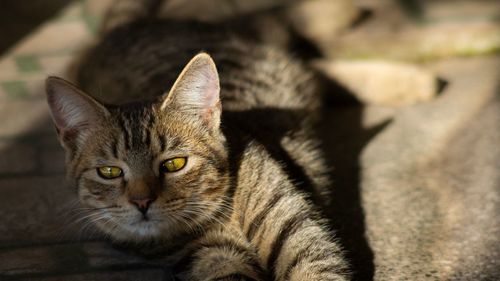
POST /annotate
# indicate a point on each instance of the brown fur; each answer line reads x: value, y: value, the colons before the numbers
x: 239, y: 209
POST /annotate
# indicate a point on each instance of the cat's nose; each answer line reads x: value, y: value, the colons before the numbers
x: 142, y: 204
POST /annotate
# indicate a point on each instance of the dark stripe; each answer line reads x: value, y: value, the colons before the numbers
x: 229, y: 245
x: 215, y: 187
x: 98, y: 185
x: 259, y: 218
x: 174, y: 143
x: 229, y: 198
x: 229, y: 87
x: 214, y: 155
x: 126, y: 136
x: 114, y: 148
x: 147, y: 126
x: 101, y: 152
x: 298, y: 258
x: 151, y: 119
x: 147, y: 140
x: 234, y: 277
x: 163, y: 142
x: 77, y: 161
x: 291, y: 167
x: 247, y: 201
x: 215, y: 158
x: 184, y: 263
x: 136, y: 130
x: 288, y: 229
x: 333, y: 269
x: 225, y: 243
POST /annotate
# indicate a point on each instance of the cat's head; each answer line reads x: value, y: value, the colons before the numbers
x: 148, y: 170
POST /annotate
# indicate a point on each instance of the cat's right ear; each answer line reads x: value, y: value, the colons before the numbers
x: 73, y: 111
x: 196, y: 91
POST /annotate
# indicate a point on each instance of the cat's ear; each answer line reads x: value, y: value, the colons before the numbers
x: 196, y: 90
x: 73, y: 111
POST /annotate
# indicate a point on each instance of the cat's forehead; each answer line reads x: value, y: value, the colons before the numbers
x: 135, y: 111
x: 143, y: 127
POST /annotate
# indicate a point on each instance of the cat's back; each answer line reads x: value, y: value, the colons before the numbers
x: 267, y: 95
x: 141, y: 61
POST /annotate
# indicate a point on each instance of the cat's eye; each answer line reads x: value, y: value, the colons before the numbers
x: 173, y: 164
x: 109, y: 172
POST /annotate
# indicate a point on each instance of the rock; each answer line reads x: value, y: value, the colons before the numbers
x: 322, y: 20
x: 382, y: 82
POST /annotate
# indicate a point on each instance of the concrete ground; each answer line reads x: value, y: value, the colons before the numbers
x: 41, y: 234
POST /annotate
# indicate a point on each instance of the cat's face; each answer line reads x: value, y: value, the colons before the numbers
x: 147, y: 170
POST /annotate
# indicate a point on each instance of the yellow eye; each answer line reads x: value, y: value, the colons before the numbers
x: 109, y: 172
x: 173, y: 165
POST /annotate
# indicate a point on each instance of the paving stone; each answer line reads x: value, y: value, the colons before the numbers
x: 17, y: 157
x: 38, y: 209
x: 19, y: 117
x: 32, y: 154
x: 64, y: 258
x: 50, y: 39
x: 52, y: 160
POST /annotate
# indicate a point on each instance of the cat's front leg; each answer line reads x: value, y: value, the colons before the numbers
x: 293, y: 243
x: 221, y: 255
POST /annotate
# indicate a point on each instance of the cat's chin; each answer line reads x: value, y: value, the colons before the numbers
x: 137, y: 231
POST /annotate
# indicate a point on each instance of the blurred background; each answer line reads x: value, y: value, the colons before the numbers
x: 18, y: 18
x: 411, y: 129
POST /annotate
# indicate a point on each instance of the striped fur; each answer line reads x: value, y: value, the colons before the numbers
x: 241, y: 209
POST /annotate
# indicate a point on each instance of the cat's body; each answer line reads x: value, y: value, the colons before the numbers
x: 265, y: 92
x: 237, y: 207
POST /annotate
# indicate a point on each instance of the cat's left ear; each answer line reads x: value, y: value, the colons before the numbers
x: 196, y: 90
x: 74, y: 113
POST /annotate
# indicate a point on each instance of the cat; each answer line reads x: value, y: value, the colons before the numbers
x: 215, y: 160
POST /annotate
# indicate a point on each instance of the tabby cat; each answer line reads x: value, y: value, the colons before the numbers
x: 219, y: 166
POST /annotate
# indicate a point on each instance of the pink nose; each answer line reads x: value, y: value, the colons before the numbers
x: 142, y: 204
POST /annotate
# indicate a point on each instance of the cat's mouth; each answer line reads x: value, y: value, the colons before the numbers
x: 145, y: 219
x: 145, y: 226
x: 142, y: 223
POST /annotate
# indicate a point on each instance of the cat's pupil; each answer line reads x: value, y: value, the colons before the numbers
x: 173, y: 165
x: 109, y: 172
